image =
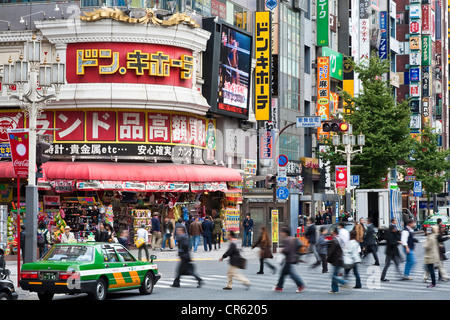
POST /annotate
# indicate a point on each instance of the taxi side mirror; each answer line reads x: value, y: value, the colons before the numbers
x: 152, y: 257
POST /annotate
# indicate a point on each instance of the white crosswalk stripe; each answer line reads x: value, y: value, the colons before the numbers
x: 316, y: 281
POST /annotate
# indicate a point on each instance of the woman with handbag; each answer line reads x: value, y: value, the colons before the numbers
x: 352, y: 258
x: 266, y: 250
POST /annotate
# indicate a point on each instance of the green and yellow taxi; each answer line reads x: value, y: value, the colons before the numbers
x: 433, y: 220
x: 90, y: 267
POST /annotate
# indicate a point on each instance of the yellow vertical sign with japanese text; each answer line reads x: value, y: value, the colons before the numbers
x: 274, y: 215
x: 263, y: 69
x: 323, y: 93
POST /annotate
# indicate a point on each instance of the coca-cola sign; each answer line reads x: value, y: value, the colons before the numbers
x: 19, y: 143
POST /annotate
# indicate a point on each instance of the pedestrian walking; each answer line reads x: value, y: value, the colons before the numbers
x: 310, y: 234
x: 290, y: 259
x: 123, y: 238
x: 167, y: 233
x: 248, y: 228
x: 235, y: 263
x: 431, y: 255
x: 188, y: 224
x: 441, y: 239
x: 43, y: 238
x: 343, y: 234
x: 217, y: 231
x: 408, y: 241
x: 318, y: 219
x: 370, y: 241
x: 360, y: 228
x: 22, y: 239
x: 185, y: 267
x: 142, y: 233
x: 352, y: 251
x: 208, y: 227
x: 392, y: 252
x: 322, y: 247
x: 335, y: 258
x: 195, y: 231
x: 266, y: 250
x: 156, y: 232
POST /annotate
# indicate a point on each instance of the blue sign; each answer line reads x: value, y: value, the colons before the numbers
x: 271, y: 4
x: 282, y: 193
x: 5, y: 151
x: 282, y: 181
x: 383, y: 50
x: 282, y: 160
x: 417, y: 188
x: 308, y: 122
x: 355, y: 180
x: 414, y: 74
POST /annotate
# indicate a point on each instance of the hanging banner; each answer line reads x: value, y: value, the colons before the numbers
x: 263, y: 70
x: 383, y: 52
x: 426, y: 50
x: 341, y: 177
x: 364, y: 31
x: 19, y: 144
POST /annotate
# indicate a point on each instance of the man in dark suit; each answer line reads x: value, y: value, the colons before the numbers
x: 208, y: 227
x: 370, y: 241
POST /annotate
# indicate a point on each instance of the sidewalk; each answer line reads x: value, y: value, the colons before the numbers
x: 166, y: 255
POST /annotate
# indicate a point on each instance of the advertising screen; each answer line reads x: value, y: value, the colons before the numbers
x: 234, y: 71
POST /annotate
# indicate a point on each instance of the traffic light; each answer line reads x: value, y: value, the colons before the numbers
x: 270, y: 180
x: 41, y: 157
x: 334, y: 125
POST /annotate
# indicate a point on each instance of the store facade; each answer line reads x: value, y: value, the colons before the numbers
x: 130, y: 134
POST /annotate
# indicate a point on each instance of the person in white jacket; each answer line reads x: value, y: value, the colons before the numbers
x: 352, y: 258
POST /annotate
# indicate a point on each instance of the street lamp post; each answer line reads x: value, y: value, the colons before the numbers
x: 36, y: 75
x: 349, y: 141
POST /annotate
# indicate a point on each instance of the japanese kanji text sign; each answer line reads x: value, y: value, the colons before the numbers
x: 263, y: 70
x: 323, y: 91
x: 129, y: 63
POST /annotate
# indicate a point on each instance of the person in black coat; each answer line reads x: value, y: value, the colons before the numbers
x: 392, y: 252
x: 310, y: 234
x: 370, y: 241
x: 335, y: 258
x: 208, y: 227
x: 101, y: 235
x: 185, y: 267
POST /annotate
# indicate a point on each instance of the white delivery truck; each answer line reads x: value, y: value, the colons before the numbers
x: 381, y: 205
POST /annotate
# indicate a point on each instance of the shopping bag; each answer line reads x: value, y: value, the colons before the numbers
x: 139, y: 242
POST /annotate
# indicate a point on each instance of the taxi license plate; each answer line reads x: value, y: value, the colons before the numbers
x: 49, y: 276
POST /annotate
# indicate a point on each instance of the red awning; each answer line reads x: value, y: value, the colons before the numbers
x: 122, y: 171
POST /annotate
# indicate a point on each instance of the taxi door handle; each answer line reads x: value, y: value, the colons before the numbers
x: 106, y: 265
x: 125, y: 265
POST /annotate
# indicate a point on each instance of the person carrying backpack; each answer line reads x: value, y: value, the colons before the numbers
x: 43, y: 239
x: 291, y: 258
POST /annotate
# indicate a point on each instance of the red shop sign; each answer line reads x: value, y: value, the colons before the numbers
x: 106, y: 62
x: 19, y: 143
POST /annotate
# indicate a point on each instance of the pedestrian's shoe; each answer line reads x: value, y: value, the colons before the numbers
x: 324, y: 271
x: 407, y: 278
x: 277, y: 289
x: 333, y: 292
x: 247, y: 286
x: 431, y: 286
x: 200, y: 283
x: 175, y: 286
x: 357, y: 287
x: 300, y: 289
x: 385, y: 280
x: 260, y: 272
x: 226, y: 288
x: 376, y: 264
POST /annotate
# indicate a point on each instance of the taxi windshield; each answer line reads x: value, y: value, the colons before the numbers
x: 70, y: 253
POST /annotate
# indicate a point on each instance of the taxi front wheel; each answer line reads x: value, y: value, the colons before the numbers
x: 100, y: 291
x: 147, y: 284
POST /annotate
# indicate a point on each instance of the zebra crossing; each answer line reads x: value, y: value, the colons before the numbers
x: 316, y: 282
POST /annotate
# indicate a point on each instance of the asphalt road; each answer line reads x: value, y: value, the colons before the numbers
x: 318, y: 284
